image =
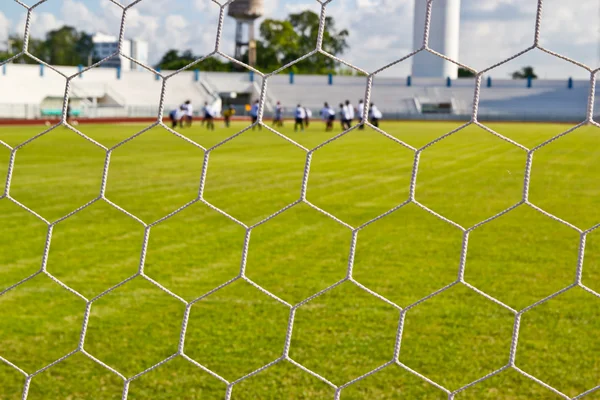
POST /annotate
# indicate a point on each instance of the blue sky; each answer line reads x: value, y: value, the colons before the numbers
x: 381, y: 30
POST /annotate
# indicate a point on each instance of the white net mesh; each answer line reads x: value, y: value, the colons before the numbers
x: 264, y: 78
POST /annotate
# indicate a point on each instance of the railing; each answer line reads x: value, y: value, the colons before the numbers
x: 19, y: 111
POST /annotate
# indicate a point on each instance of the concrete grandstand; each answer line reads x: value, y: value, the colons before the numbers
x: 36, y: 92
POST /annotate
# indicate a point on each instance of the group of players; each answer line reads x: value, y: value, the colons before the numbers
x: 346, y: 114
x: 183, y: 115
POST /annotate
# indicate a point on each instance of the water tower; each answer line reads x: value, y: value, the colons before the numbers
x: 245, y: 13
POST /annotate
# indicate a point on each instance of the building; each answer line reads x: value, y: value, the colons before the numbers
x: 139, y: 51
x: 106, y: 45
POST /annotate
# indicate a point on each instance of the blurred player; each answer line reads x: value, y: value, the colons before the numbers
x: 204, y: 113
x: 328, y: 115
x: 350, y: 109
x: 300, y: 115
x: 189, y: 113
x: 375, y: 115
x: 278, y: 115
x: 344, y: 116
x: 176, y: 116
x: 227, y: 114
x: 254, y: 115
x: 361, y: 112
x: 69, y: 113
x: 307, y: 116
x: 209, y: 117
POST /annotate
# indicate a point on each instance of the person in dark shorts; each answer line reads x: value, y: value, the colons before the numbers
x: 189, y: 113
x: 176, y: 116
x: 254, y: 115
x: 278, y: 115
x: 300, y: 116
x: 350, y: 113
x: 204, y: 113
x: 69, y: 112
x: 375, y: 115
x: 344, y: 117
x: 361, y: 112
x: 209, y: 117
x: 328, y: 115
x: 227, y: 114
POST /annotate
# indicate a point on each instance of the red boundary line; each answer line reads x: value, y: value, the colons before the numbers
x: 25, y: 122
x: 41, y: 121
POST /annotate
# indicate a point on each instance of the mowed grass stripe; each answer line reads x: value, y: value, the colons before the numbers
x: 454, y: 338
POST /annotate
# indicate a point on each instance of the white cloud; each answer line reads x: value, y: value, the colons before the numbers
x: 367, y: 3
x: 381, y: 32
x: 40, y: 23
x: 44, y: 22
x: 270, y: 6
x: 298, y: 7
x: 570, y: 31
x: 149, y: 23
x: 490, y: 5
x: 485, y: 44
x: 155, y: 7
x: 77, y: 14
x: 202, y: 5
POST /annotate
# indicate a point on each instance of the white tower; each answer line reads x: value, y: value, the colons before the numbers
x: 443, y: 38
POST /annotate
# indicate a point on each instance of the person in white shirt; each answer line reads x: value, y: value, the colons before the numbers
x: 300, y: 115
x: 209, y: 117
x: 350, y: 109
x: 189, y: 113
x: 375, y: 115
x: 328, y: 115
x: 183, y: 109
x: 361, y: 112
x: 176, y: 116
x: 344, y: 116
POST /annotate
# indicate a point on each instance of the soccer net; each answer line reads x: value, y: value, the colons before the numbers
x: 338, y: 388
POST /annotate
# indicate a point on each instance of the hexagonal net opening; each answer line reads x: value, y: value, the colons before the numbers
x: 274, y: 220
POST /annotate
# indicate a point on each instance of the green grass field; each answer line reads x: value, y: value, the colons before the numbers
x: 453, y: 338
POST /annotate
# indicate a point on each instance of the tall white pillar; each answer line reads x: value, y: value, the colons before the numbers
x: 443, y: 37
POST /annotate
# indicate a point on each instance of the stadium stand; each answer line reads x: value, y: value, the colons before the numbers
x: 99, y: 92
x: 37, y: 92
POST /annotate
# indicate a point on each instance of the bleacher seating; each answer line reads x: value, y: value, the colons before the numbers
x: 137, y: 93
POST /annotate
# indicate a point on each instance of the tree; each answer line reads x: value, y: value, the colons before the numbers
x: 171, y: 60
x: 284, y: 41
x: 280, y: 44
x: 524, y: 73
x: 84, y: 46
x: 64, y: 46
x: 346, y: 71
x: 68, y: 46
x: 214, y: 64
x: 15, y: 46
x: 306, y: 24
x: 465, y: 73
